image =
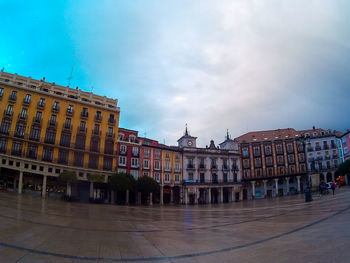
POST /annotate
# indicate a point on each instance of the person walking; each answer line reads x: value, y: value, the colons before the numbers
x: 333, y: 186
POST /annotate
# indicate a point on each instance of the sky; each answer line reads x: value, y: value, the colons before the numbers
x: 239, y: 65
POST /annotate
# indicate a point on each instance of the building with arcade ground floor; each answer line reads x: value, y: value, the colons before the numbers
x: 46, y: 129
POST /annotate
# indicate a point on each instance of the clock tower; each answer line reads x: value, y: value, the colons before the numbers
x: 187, y: 140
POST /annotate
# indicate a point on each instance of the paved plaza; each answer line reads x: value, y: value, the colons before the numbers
x: 276, y: 230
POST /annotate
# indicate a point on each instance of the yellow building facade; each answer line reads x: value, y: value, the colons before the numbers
x: 171, y: 178
x: 47, y: 128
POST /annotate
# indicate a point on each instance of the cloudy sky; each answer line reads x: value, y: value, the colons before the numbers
x: 215, y: 65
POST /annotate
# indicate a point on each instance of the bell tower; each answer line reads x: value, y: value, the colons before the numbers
x: 187, y: 140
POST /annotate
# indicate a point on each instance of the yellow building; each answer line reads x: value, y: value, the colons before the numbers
x: 171, y: 174
x: 47, y: 128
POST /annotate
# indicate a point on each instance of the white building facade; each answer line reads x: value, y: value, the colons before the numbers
x: 211, y: 174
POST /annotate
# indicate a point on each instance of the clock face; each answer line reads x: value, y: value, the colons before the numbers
x: 189, y: 143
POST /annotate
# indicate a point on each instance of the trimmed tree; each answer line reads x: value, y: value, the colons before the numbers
x: 122, y: 182
x: 147, y: 185
x: 343, y: 169
x: 68, y: 177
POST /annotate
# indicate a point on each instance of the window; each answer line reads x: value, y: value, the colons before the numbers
x: 167, y: 155
x: 5, y: 126
x: 145, y: 164
x: 20, y: 130
x: 41, y: 102
x: 146, y: 153
x: 32, y: 151
x: 67, y: 123
x: 157, y: 177
x: 122, y: 160
x: 246, y: 173
x: 3, y: 145
x: 225, y: 177
x: 268, y: 150
x: 177, y: 167
x: 123, y: 149
x: 279, y: 149
x: 167, y: 178
x: 95, y: 145
x: 134, y: 162
x: 9, y: 110
x: 257, y: 162
x: 111, y: 118
x: 27, y: 99
x: 135, y: 173
x: 1, y: 92
x: 157, y: 154
x: 190, y: 176
x: 47, y: 154
x: 135, y: 151
x: 63, y: 157
x: 132, y: 138
x: 291, y: 158
x: 35, y: 133
x: 280, y: 160
x: 156, y: 165
x: 65, y: 139
x: 56, y: 106
x: 290, y: 148
x: 167, y: 166
x: 107, y: 163
x: 13, y: 95
x: 50, y: 136
x: 23, y: 114
x: 93, y: 161
x: 70, y: 109
x: 85, y: 113
x: 245, y: 163
x: 110, y: 132
x: 98, y: 116
x: 96, y: 129
x: 53, y: 120
x: 16, y: 148
x: 80, y: 142
x: 256, y: 151
x: 177, y: 157
x: 177, y: 178
x: 268, y: 160
x: 82, y: 126
x: 245, y: 152
x: 78, y: 159
x: 109, y: 147
x: 38, y: 116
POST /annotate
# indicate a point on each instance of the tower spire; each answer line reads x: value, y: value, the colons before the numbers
x: 227, y: 135
x: 186, y: 131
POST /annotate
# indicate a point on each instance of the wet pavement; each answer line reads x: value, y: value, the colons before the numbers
x: 277, y: 230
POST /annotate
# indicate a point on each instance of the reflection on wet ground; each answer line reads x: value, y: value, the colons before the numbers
x: 275, y: 230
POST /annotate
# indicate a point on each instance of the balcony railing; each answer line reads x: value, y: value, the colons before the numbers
x: 8, y: 113
x: 135, y: 154
x: 123, y: 152
x: 70, y: 112
x: 225, y: 167
x: 310, y: 149
x: 333, y: 146
x: 13, y: 98
x: 110, y: 135
x: 22, y: 117
x: 111, y: 121
x: 52, y: 124
x: 81, y: 129
x: 41, y: 105
x: 257, y: 154
x: 96, y: 132
x: 318, y: 148
x: 26, y: 102
x: 190, y: 166
x: 98, y: 118
x: 55, y: 108
x: 214, y: 167
x: 67, y: 127
x: 84, y: 115
x: 36, y: 120
x: 325, y: 147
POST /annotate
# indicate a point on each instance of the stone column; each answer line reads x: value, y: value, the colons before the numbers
x: 139, y: 201
x: 171, y: 195
x: 241, y: 194
x: 20, y: 182
x: 91, y: 190
x: 253, y: 189
x: 150, y: 198
x: 287, y: 185
x: 112, y: 197
x: 14, y: 183
x: 127, y: 197
x: 221, y: 194
x: 232, y: 194
x: 333, y: 178
x: 161, y: 201
x: 276, y: 186
x: 209, y: 195
x: 69, y: 189
x: 298, y: 178
x: 196, y: 195
x: 43, y: 190
x: 185, y: 196
x: 265, y: 188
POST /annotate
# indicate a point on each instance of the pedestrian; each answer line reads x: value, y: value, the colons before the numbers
x: 333, y: 186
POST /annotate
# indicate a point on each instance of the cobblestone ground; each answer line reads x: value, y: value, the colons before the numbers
x: 276, y: 230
